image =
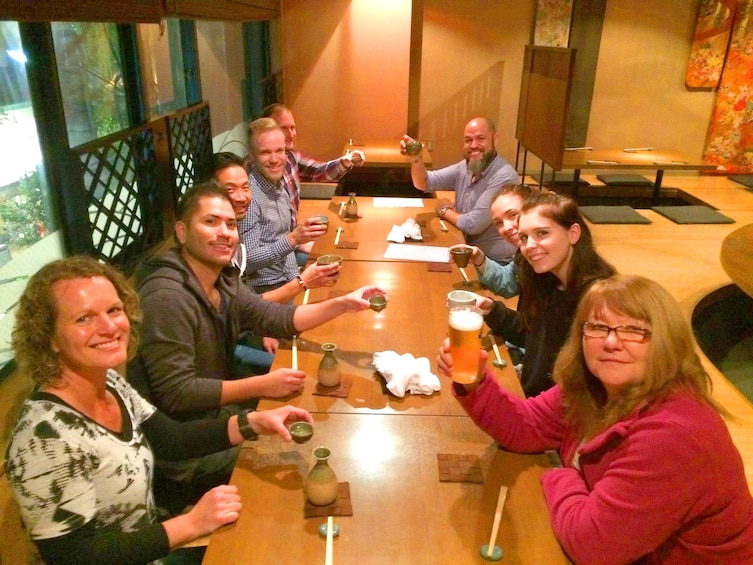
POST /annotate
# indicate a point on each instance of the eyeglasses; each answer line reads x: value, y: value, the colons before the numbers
x: 624, y: 333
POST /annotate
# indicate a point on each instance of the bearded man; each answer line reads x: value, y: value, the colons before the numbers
x: 475, y: 181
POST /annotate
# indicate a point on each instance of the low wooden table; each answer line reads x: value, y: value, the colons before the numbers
x: 736, y: 258
x: 619, y: 159
x: 386, y: 171
x: 402, y: 513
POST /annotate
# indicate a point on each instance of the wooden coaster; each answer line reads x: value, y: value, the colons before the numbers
x: 347, y: 245
x: 456, y: 468
x: 342, y: 506
x: 340, y: 390
x: 439, y: 267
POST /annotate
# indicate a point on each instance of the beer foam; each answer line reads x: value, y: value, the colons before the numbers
x: 466, y: 320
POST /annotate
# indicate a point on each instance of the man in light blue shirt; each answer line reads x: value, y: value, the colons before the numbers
x: 475, y: 181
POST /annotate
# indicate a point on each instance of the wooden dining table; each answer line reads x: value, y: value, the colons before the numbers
x: 370, y: 230
x: 386, y: 449
x: 414, y: 322
x: 401, y: 512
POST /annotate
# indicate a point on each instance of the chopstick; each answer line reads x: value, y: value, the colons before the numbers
x: 294, y: 351
x: 328, y: 554
x: 496, y: 349
x: 342, y: 209
x: 465, y: 277
x: 443, y: 226
x: 497, y: 519
x: 337, y: 237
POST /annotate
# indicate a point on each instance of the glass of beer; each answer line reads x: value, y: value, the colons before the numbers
x: 465, y: 342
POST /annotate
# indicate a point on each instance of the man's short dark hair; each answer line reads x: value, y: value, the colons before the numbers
x: 225, y: 160
x: 190, y: 200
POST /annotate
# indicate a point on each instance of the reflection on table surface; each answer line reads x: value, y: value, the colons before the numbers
x: 414, y: 321
x: 402, y: 513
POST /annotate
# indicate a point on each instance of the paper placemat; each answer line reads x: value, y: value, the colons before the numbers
x: 342, y: 506
x: 341, y: 390
x: 456, y: 468
x: 426, y: 253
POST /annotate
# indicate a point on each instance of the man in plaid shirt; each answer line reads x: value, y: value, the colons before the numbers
x: 301, y: 167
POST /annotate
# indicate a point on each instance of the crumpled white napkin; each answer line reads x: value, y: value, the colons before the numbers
x: 408, y: 230
x: 396, y: 235
x: 406, y: 373
x: 412, y: 230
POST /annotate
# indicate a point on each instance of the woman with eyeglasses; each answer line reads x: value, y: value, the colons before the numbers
x: 650, y: 473
x: 560, y: 263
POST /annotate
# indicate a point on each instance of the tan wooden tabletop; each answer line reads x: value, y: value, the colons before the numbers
x: 414, y: 322
x: 384, y: 446
x: 402, y: 513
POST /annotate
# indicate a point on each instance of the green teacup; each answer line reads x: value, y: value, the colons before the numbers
x: 413, y: 147
x: 319, y: 219
x: 329, y: 259
x: 301, y: 431
x: 378, y: 302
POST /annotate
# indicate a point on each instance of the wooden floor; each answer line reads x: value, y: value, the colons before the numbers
x: 685, y: 259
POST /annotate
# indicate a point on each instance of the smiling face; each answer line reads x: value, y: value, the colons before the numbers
x: 285, y: 120
x: 234, y: 179
x: 616, y: 363
x: 478, y: 145
x: 269, y: 154
x: 505, y: 212
x: 92, y: 329
x: 547, y: 245
x: 210, y: 235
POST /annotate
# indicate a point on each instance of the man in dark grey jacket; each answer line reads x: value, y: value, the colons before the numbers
x: 194, y: 309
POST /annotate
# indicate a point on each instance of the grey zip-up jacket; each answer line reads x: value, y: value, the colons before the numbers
x: 185, y: 349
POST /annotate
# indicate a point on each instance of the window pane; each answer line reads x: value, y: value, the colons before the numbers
x: 162, y: 67
x: 28, y: 236
x: 91, y: 79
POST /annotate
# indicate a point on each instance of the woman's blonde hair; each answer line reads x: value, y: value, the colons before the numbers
x: 37, y: 313
x: 673, y: 362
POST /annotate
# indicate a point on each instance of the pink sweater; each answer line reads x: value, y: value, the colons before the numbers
x: 665, y: 485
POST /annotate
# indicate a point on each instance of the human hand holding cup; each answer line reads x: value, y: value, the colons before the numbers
x: 320, y: 220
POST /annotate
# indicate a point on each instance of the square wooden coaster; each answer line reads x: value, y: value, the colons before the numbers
x: 456, y: 468
x: 439, y: 267
x: 342, y: 506
x: 347, y: 245
x: 340, y: 390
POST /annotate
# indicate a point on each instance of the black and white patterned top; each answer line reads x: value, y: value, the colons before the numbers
x: 66, y: 470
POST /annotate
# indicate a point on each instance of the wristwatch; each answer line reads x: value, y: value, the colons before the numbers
x: 245, y: 428
x: 443, y: 210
